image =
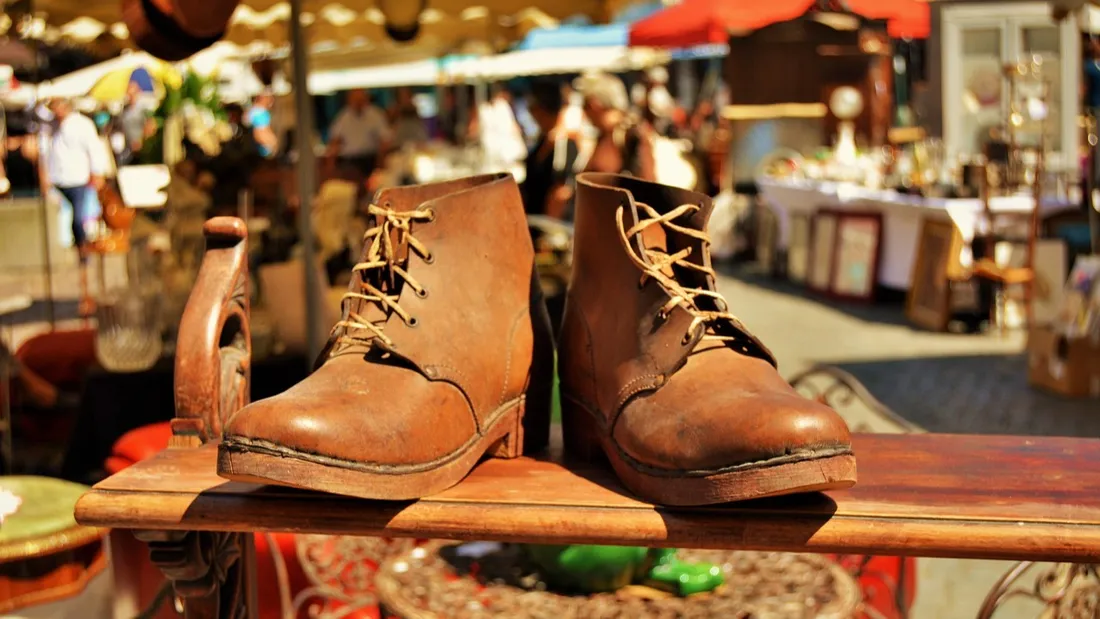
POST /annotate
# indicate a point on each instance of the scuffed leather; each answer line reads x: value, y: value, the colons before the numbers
x: 668, y: 400
x: 471, y: 352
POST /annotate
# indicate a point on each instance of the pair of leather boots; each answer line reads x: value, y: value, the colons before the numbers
x: 444, y: 354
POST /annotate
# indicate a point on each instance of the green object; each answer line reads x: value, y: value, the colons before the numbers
x: 683, y: 578
x: 594, y: 569
x: 47, y: 507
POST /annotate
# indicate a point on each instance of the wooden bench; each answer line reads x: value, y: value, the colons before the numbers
x: 918, y: 494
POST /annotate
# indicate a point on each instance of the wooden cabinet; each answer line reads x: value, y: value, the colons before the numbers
x: 976, y: 39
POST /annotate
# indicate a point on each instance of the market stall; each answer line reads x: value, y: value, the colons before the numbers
x: 796, y: 202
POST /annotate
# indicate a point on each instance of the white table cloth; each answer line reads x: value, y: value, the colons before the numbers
x: 902, y: 215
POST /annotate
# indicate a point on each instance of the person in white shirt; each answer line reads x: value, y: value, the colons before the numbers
x: 501, y: 137
x: 76, y: 164
x: 358, y: 135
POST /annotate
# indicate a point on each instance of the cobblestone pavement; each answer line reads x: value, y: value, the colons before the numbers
x: 941, y: 382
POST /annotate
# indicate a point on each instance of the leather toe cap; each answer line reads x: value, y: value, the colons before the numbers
x: 394, y: 417
x: 692, y: 426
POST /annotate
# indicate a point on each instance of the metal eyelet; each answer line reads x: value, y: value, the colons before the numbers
x: 414, y: 322
x: 429, y: 259
x: 686, y: 339
x: 422, y: 293
x: 431, y: 215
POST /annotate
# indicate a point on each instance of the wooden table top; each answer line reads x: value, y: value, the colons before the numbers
x: 998, y: 497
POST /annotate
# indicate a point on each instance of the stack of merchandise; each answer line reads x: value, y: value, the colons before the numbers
x: 1064, y: 357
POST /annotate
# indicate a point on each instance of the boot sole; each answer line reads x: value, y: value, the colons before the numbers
x: 262, y: 462
x: 811, y: 471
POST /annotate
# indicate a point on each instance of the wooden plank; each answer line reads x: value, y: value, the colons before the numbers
x: 926, y: 495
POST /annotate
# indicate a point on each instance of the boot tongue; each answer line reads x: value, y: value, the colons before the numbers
x: 670, y: 241
x: 382, y: 278
x: 655, y: 238
x: 667, y: 240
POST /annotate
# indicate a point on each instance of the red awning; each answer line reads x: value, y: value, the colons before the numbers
x: 905, y: 19
x: 700, y: 22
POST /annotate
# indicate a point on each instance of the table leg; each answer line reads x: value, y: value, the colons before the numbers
x: 213, y: 574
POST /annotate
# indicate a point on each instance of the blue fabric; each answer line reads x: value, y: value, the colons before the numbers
x: 714, y: 50
x: 82, y: 201
x: 143, y: 79
x: 1092, y: 83
x: 259, y: 118
x: 637, y: 12
x: 610, y: 35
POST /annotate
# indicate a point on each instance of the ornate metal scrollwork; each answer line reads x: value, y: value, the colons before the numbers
x: 1066, y: 590
x: 341, y: 571
x: 843, y: 392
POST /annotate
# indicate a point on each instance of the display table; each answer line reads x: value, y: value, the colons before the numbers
x: 923, y: 495
x: 902, y: 215
x: 47, y: 560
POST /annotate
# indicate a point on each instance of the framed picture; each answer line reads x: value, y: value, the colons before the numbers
x: 937, y: 265
x: 798, y: 248
x: 855, y: 265
x: 819, y: 270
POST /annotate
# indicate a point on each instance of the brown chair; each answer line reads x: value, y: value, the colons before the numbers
x: 1008, y: 278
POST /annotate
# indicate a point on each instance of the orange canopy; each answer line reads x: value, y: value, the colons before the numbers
x: 700, y: 22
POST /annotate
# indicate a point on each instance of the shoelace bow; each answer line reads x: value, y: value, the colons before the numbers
x: 655, y: 262
x: 381, y: 258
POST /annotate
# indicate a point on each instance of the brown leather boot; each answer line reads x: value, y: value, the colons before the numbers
x: 443, y: 354
x: 658, y: 375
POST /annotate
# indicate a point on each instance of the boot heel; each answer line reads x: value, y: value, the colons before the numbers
x: 580, y: 434
x: 511, y: 446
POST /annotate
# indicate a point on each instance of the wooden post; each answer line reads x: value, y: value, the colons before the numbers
x: 307, y: 179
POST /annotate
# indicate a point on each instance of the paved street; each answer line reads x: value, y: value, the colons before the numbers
x: 941, y: 382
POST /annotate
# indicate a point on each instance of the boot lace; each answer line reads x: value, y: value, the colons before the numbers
x: 379, y: 271
x: 654, y: 262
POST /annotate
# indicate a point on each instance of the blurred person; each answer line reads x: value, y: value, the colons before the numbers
x: 521, y: 106
x: 358, y: 135
x: 260, y: 120
x: 21, y: 157
x: 408, y: 127
x: 658, y: 103
x: 235, y: 162
x: 133, y: 120
x: 76, y: 164
x: 547, y: 187
x: 624, y: 142
x: 702, y: 127
x: 500, y: 134
x: 447, y: 117
x: 572, y: 117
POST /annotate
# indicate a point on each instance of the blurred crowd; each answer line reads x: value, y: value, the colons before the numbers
x: 545, y: 131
